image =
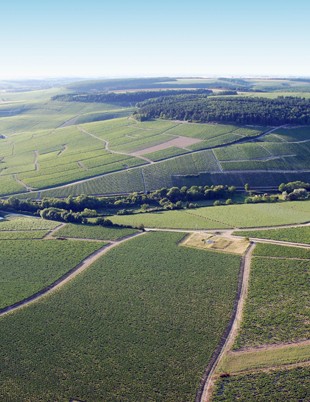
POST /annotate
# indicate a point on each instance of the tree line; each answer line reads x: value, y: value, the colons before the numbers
x: 126, y: 98
x: 94, y: 210
x: 240, y: 110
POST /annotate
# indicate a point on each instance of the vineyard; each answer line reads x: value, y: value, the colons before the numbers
x: 296, y: 235
x: 293, y: 385
x: 228, y: 216
x: 93, y: 232
x: 123, y: 307
x: 275, y: 311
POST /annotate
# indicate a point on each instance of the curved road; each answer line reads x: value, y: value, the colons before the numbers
x: 66, y: 277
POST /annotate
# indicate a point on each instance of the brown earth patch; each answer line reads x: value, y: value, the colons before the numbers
x: 180, y: 142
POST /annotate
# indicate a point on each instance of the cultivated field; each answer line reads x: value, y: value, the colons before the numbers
x: 123, y: 307
x: 92, y: 232
x: 293, y: 385
x: 230, y: 216
x: 39, y: 264
x: 48, y: 143
x: 296, y: 235
x: 275, y: 310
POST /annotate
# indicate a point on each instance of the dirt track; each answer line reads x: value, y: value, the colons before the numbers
x: 207, y: 389
x: 82, y: 266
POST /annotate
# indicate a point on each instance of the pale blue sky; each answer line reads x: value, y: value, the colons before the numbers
x: 154, y: 38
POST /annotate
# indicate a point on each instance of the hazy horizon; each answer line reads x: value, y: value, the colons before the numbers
x: 101, y: 39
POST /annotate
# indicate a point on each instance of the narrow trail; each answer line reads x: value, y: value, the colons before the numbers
x: 36, y: 163
x: 205, y: 391
x: 28, y: 189
x: 81, y: 165
x: 228, y: 232
x: 217, y: 161
x: 67, y: 277
x: 280, y: 243
x: 106, y: 146
x: 287, y: 366
x: 49, y: 235
x: 64, y: 149
x: 267, y: 347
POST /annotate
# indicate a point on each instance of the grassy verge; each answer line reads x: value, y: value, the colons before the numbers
x: 262, y: 358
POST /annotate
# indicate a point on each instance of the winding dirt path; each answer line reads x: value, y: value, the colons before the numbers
x: 205, y: 391
x: 106, y: 146
x: 49, y: 235
x: 67, y: 277
x: 36, y: 163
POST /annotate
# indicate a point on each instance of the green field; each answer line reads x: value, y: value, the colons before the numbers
x: 275, y: 309
x: 14, y: 222
x: 296, y: 235
x: 154, y: 326
x: 230, y: 216
x: 22, y: 235
x: 272, y: 250
x: 264, y: 358
x: 282, y: 385
x: 28, y: 266
x: 93, y: 232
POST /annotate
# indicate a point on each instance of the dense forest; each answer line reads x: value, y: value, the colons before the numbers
x: 242, y: 110
x: 127, y: 98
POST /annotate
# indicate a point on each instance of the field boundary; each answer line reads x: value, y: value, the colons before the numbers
x: 69, y: 275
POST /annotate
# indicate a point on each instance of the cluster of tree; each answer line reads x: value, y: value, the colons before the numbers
x: 62, y: 215
x: 293, y: 185
x: 126, y: 98
x: 295, y: 195
x: 295, y: 190
x: 257, y: 198
x: 80, y: 208
x: 241, y: 110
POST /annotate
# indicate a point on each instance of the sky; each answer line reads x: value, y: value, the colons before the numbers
x: 100, y: 38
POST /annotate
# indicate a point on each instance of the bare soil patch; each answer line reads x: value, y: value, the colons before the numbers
x: 208, y: 241
x: 180, y: 142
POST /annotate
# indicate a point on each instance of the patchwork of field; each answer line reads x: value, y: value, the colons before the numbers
x: 228, y: 216
x: 282, y: 159
x: 66, y: 149
x: 123, y: 307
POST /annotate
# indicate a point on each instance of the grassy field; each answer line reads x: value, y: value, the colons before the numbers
x: 154, y: 326
x: 27, y: 266
x: 272, y: 250
x: 13, y: 222
x: 281, y: 385
x: 22, y: 235
x: 230, y: 216
x: 93, y: 232
x: 296, y: 235
x: 275, y: 309
x: 264, y: 358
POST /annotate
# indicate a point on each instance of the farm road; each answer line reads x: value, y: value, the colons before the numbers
x: 82, y: 266
x: 234, y: 326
